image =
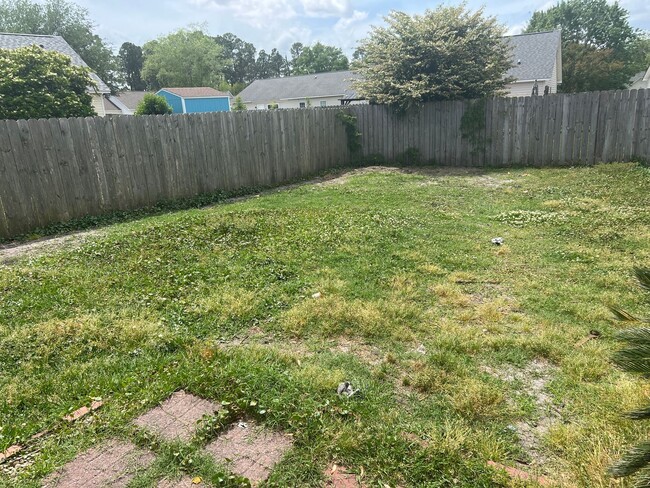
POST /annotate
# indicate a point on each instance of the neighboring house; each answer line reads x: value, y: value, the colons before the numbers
x: 59, y: 44
x: 317, y: 90
x: 640, y: 80
x: 196, y: 100
x: 124, y: 103
x: 537, y: 58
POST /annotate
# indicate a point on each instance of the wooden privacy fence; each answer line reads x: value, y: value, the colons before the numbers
x: 60, y: 169
x: 564, y: 129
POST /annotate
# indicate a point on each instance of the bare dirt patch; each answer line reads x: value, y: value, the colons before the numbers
x: 249, y: 450
x: 114, y: 464
x: 339, y: 477
x: 534, y: 379
x: 10, y: 253
x: 365, y: 352
x: 177, y: 417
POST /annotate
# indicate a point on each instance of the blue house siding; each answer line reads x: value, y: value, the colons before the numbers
x: 197, y: 105
x: 174, y: 101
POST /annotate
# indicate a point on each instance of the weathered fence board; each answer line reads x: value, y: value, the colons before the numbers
x: 56, y: 170
x: 561, y: 129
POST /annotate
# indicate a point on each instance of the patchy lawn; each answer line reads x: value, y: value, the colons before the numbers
x: 464, y: 352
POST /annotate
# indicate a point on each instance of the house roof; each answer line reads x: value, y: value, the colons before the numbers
x: 50, y: 43
x: 109, y: 106
x: 333, y: 84
x: 641, y: 80
x: 196, y: 92
x: 534, y: 55
x: 131, y: 98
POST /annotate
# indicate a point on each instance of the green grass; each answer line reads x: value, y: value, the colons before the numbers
x: 164, y: 302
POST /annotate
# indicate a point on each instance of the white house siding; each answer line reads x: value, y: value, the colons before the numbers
x: 525, y: 88
x: 553, y: 81
x: 315, y: 102
x: 98, y: 104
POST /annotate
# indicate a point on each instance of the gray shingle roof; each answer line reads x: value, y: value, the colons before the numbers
x: 196, y: 92
x: 534, y: 55
x: 131, y: 98
x: 334, y: 84
x: 50, y: 43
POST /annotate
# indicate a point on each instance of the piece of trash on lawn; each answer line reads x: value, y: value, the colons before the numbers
x: 593, y: 334
x: 317, y: 295
x: 498, y: 241
x: 197, y: 480
x: 421, y: 349
x: 345, y: 389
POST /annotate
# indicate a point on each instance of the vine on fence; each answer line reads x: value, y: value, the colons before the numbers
x: 472, y: 125
x: 349, y: 121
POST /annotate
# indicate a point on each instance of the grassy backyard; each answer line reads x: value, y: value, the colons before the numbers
x: 464, y: 352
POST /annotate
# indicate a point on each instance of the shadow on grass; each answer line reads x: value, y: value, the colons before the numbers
x: 94, y: 222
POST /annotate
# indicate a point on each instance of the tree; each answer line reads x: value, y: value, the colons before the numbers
x: 66, y: 19
x: 35, y: 83
x: 153, y: 105
x: 318, y: 58
x: 187, y: 57
x: 278, y: 64
x: 296, y: 50
x: 240, y: 59
x: 445, y: 54
x: 132, y: 60
x: 239, y: 105
x: 634, y: 358
x: 271, y: 65
x: 598, y: 43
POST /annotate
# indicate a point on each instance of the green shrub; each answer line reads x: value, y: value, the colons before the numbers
x: 153, y: 105
x: 38, y: 84
x: 634, y: 358
x: 239, y: 105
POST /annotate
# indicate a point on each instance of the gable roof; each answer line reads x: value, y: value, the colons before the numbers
x: 131, y: 98
x: 50, y: 43
x: 640, y: 80
x: 534, y: 55
x: 333, y: 84
x: 196, y: 92
x: 110, y: 106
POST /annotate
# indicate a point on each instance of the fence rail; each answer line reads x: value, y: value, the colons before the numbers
x: 60, y: 169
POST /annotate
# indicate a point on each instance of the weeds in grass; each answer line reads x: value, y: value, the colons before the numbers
x: 219, y: 301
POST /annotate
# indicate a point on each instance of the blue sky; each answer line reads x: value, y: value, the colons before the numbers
x: 279, y: 23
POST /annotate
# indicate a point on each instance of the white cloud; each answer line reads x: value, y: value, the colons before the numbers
x: 287, y: 37
x: 344, y: 23
x: 257, y: 13
x: 516, y: 29
x: 326, y: 8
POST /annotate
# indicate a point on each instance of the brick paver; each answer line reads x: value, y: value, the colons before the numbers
x: 113, y: 464
x: 184, y: 482
x: 176, y: 418
x: 338, y: 477
x: 249, y: 450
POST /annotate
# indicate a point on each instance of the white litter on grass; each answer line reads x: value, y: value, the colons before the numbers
x: 498, y: 241
x: 345, y: 389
